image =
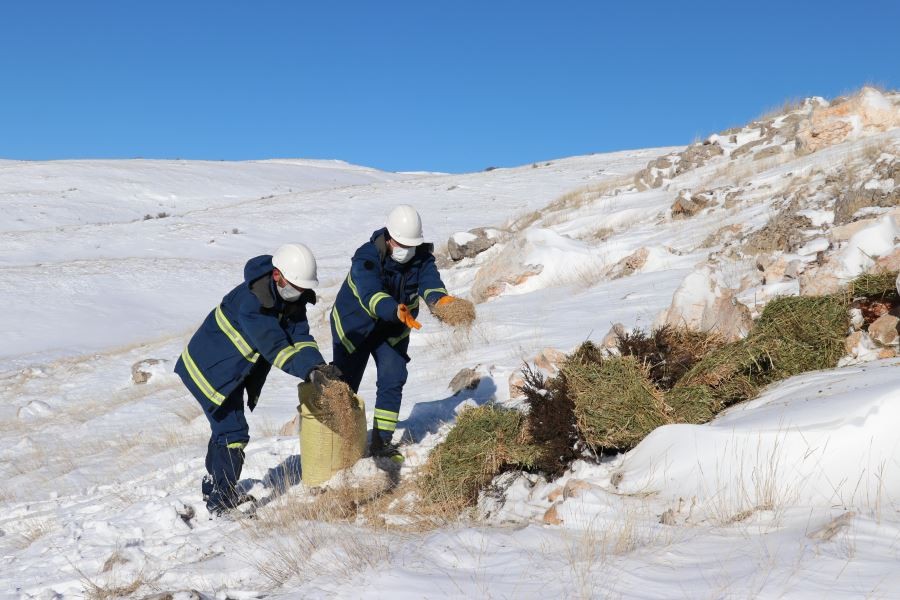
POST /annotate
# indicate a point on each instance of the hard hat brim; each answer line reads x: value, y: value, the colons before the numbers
x: 408, y: 241
x: 306, y: 284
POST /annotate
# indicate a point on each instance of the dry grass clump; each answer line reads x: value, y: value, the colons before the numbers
x: 339, y: 408
x: 550, y: 422
x: 876, y: 286
x: 667, y: 352
x: 616, y: 403
x: 459, y: 312
x: 485, y: 441
x: 792, y: 336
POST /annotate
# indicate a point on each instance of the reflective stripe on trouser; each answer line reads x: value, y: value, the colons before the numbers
x: 392, y: 373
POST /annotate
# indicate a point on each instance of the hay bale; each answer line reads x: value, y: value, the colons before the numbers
x: 792, y: 336
x: 550, y: 421
x: 693, y: 404
x: 876, y: 286
x: 459, y: 312
x: 669, y: 352
x: 616, y: 404
x: 485, y: 441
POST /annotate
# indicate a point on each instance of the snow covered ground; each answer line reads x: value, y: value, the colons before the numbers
x: 791, y: 495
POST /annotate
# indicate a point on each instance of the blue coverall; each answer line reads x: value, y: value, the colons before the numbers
x: 232, y: 352
x: 364, y: 320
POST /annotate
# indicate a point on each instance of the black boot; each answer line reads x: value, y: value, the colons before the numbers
x: 383, y: 447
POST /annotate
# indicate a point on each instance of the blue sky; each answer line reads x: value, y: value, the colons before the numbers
x: 448, y: 86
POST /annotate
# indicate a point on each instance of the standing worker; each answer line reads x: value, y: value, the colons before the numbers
x: 260, y: 323
x: 375, y: 309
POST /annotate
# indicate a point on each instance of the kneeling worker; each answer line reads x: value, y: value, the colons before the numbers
x: 375, y: 309
x: 260, y: 323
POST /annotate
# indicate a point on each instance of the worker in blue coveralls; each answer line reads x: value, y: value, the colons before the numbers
x: 260, y: 323
x: 374, y: 311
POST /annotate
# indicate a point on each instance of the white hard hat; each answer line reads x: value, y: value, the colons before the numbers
x: 405, y: 226
x: 298, y: 265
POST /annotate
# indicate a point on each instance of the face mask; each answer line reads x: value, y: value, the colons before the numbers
x: 288, y: 293
x: 403, y: 255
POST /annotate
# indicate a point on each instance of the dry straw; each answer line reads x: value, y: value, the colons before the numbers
x: 458, y: 313
x: 485, y: 441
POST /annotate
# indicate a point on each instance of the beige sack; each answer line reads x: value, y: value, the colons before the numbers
x: 323, y: 451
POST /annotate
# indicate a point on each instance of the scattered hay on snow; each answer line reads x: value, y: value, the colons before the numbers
x: 459, y: 312
x: 485, y: 441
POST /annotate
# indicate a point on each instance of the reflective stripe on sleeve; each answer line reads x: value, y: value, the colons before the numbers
x: 234, y: 335
x: 358, y: 298
x: 348, y: 345
x: 441, y: 290
x: 200, y: 381
x: 374, y: 300
x: 287, y: 353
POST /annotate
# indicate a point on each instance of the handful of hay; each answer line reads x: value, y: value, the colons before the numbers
x: 485, y: 441
x: 459, y: 312
x: 339, y: 408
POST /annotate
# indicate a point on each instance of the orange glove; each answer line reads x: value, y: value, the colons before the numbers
x: 445, y: 300
x: 406, y: 317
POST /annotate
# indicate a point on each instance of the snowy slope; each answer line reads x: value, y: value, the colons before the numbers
x: 789, y: 495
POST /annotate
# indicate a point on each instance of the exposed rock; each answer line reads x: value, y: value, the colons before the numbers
x: 885, y: 330
x: 143, y: 370
x: 611, y: 339
x: 821, y: 280
x: 700, y: 304
x: 502, y: 271
x: 747, y: 148
x: 555, y: 494
x: 575, y: 487
x: 551, y: 517
x: 888, y: 262
x: 767, y: 152
x: 516, y: 385
x: 866, y: 112
x: 666, y: 167
x: 783, y: 232
x: 859, y: 344
x: 549, y: 359
x: 722, y: 235
x: 630, y: 264
x: 887, y: 353
x: 794, y: 269
x: 472, y: 243
x: 466, y: 379
x: 687, y: 205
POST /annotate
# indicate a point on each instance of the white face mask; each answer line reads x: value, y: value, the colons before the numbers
x: 288, y: 293
x: 403, y: 255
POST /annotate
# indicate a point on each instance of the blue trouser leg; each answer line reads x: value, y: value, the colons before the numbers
x: 391, y: 364
x: 225, y: 451
x: 352, y: 366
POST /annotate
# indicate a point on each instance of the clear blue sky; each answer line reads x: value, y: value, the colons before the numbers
x: 426, y: 85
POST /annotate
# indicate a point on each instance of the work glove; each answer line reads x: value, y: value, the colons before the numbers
x: 322, y: 375
x: 445, y: 300
x: 405, y: 317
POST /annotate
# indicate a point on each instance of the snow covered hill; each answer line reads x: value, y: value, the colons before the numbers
x: 791, y: 494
